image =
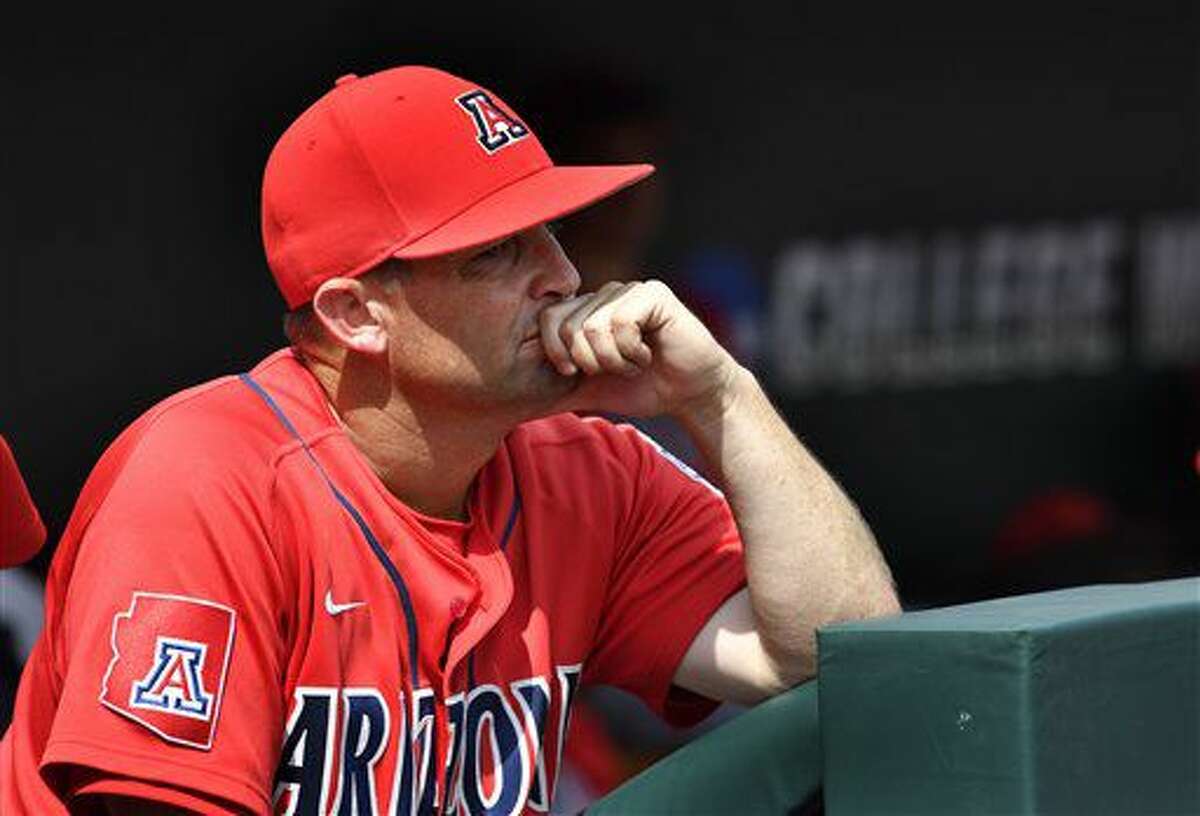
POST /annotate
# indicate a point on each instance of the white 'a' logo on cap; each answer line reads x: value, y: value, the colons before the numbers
x: 494, y: 128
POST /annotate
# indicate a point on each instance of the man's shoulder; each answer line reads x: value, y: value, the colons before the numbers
x: 200, y: 418
x: 572, y: 429
x: 602, y: 443
x: 590, y: 442
x: 191, y: 450
x: 222, y: 423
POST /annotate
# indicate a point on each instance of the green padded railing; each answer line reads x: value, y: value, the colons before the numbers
x: 766, y: 761
x: 1082, y: 702
x: 1078, y: 702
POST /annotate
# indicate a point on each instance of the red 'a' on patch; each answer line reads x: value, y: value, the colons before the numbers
x: 170, y: 657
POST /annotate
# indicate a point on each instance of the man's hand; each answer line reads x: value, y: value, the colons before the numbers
x: 639, y: 350
x: 810, y: 558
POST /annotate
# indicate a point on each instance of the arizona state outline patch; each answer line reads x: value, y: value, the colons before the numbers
x: 170, y: 657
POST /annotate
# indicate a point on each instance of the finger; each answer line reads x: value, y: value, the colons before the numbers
x: 572, y: 333
x: 581, y: 352
x: 584, y: 305
x: 634, y: 317
x: 598, y: 333
x: 627, y: 334
x: 549, y: 321
x: 645, y: 306
x: 616, y: 337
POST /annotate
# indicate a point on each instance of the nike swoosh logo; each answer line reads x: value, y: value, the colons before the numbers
x: 338, y: 608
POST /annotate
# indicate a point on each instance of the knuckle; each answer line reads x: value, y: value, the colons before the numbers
x: 593, y: 329
x: 623, y: 325
x: 656, y: 285
x: 551, y: 322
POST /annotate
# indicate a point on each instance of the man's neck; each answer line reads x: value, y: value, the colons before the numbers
x: 426, y: 457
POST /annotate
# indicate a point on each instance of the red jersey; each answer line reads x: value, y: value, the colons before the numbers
x: 21, y: 528
x: 240, y: 616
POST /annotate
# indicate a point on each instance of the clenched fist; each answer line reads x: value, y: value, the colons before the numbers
x: 639, y: 350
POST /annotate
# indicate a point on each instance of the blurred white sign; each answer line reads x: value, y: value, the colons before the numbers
x: 1002, y: 304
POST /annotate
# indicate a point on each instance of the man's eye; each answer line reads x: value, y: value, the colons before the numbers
x: 496, y: 250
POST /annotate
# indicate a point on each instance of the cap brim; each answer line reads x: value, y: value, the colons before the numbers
x: 545, y: 195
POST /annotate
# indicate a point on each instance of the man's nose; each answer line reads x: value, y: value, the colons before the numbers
x: 556, y: 274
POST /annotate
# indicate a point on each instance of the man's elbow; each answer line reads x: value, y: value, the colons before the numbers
x: 883, y: 602
x: 876, y: 600
x: 797, y: 663
x: 800, y: 665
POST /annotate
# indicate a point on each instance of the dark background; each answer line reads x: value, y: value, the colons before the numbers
x: 133, y: 146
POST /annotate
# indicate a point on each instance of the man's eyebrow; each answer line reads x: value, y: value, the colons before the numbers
x: 492, y: 244
x: 471, y: 252
x: 467, y: 267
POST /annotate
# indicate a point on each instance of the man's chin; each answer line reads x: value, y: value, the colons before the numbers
x: 547, y: 390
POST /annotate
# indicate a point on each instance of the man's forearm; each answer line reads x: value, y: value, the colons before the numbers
x: 810, y: 557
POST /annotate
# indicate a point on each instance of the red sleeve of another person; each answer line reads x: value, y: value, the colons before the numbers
x: 21, y: 530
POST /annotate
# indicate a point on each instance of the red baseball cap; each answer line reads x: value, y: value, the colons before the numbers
x: 410, y: 162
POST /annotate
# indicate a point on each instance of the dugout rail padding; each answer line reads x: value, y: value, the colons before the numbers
x: 1065, y: 703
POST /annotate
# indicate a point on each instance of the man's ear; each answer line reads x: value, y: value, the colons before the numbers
x: 350, y: 316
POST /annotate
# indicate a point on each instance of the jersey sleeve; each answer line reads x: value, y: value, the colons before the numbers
x: 170, y: 642
x: 94, y: 785
x: 21, y: 530
x: 678, y: 558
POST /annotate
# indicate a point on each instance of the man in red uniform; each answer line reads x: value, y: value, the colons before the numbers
x: 369, y: 575
x: 21, y: 530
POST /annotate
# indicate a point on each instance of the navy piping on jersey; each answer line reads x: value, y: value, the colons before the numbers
x: 508, y: 528
x: 512, y: 515
x: 410, y: 617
